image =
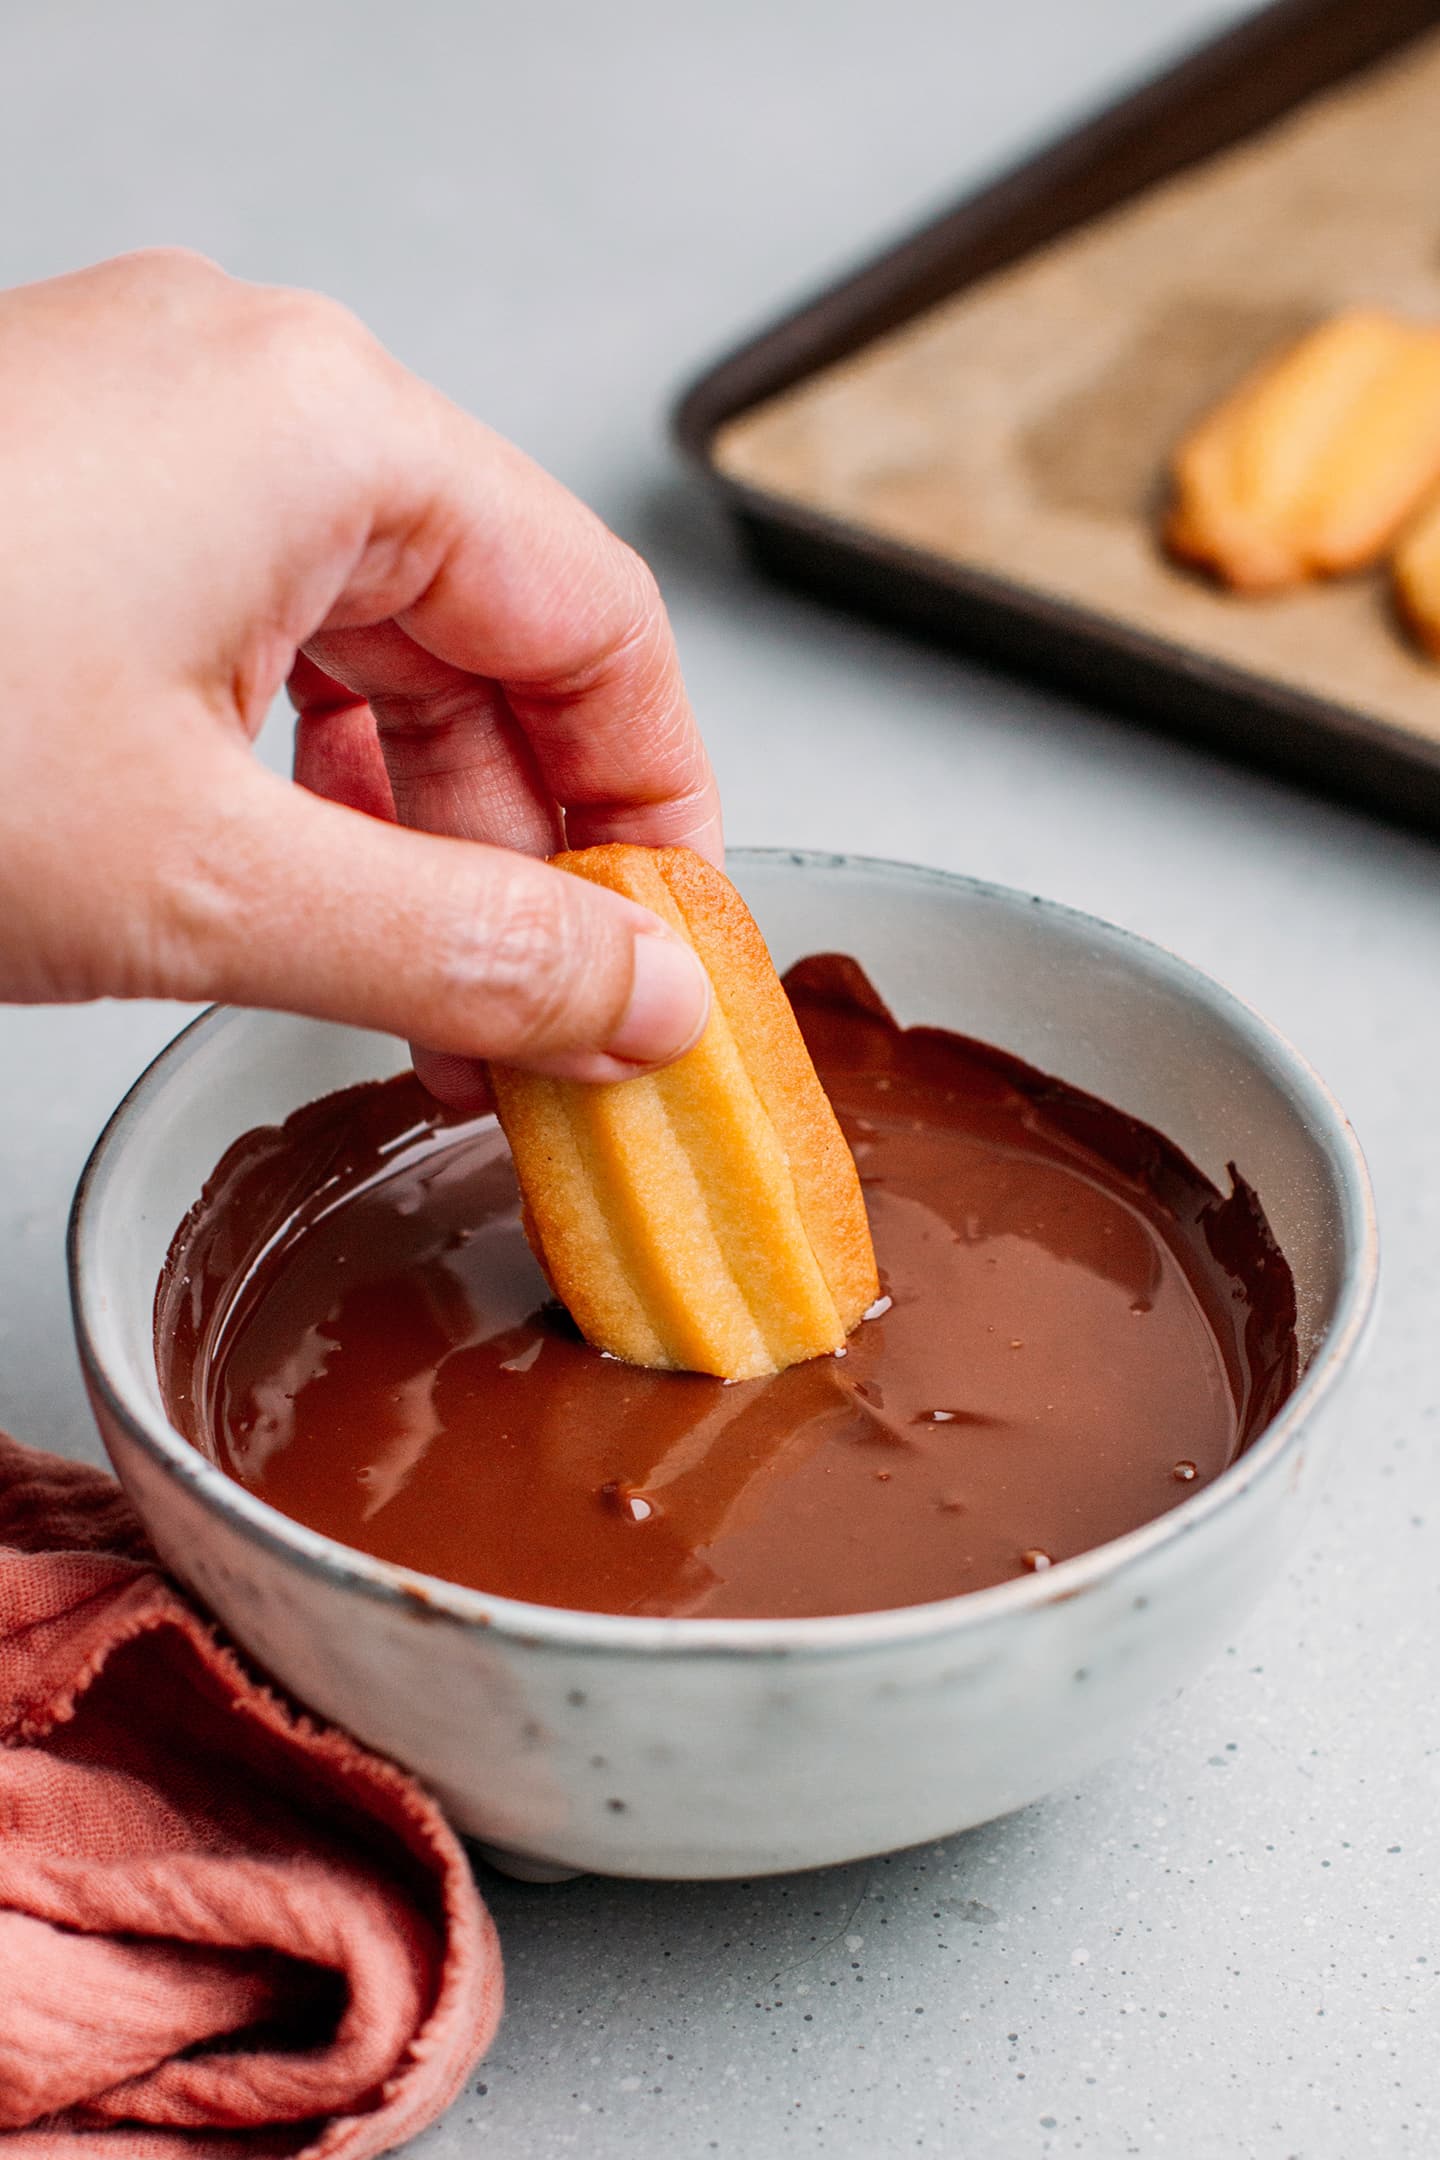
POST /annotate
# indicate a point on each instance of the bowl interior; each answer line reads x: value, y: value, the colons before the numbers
x: 1099, y: 1008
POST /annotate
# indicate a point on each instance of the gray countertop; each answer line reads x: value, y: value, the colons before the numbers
x: 1228, y: 1942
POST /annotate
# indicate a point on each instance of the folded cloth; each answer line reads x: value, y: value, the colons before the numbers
x: 225, y: 1929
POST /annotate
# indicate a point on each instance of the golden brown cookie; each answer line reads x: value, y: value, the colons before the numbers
x: 1416, y: 571
x: 707, y: 1217
x: 1314, y: 464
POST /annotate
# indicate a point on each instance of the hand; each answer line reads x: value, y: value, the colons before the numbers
x: 210, y: 487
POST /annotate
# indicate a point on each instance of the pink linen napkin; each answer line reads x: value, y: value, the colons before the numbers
x: 225, y: 1929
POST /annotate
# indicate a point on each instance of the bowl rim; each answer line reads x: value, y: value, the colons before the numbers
x: 574, y: 1630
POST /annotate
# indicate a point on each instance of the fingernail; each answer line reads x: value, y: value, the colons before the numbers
x: 669, y: 1003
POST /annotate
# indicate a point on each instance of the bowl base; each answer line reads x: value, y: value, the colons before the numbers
x: 521, y: 1868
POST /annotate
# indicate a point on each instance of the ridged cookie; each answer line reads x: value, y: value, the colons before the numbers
x: 708, y: 1217
x: 1314, y: 464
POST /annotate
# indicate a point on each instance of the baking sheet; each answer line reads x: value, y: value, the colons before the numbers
x: 1021, y: 428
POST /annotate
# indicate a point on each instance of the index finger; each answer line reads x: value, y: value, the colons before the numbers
x: 491, y: 566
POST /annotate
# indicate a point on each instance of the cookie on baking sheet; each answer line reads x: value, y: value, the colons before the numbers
x: 1313, y: 465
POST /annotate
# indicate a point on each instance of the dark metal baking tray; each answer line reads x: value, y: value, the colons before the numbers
x: 1226, y: 91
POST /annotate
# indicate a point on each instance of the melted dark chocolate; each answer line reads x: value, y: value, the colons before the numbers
x: 1076, y: 1332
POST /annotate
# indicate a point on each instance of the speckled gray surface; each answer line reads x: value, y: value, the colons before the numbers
x: 1229, y: 1942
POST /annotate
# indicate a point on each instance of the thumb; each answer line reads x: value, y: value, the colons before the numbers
x: 472, y: 950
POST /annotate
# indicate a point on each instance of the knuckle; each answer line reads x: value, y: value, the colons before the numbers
x: 324, y: 320
x: 630, y: 628
x: 185, y: 933
x: 170, y: 270
x: 309, y: 348
x: 164, y: 293
x: 188, y: 870
x: 645, y: 622
x: 536, y: 978
x: 436, y: 733
x: 529, y: 971
x: 644, y: 585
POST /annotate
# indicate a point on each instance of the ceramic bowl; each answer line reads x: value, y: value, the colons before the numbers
x: 690, y: 1748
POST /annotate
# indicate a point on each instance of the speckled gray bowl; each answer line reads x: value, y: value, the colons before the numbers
x: 732, y: 1747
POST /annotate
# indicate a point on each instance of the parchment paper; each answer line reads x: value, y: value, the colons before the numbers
x: 1023, y: 428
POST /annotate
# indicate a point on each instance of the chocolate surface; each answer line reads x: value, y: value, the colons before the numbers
x: 1075, y: 1332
